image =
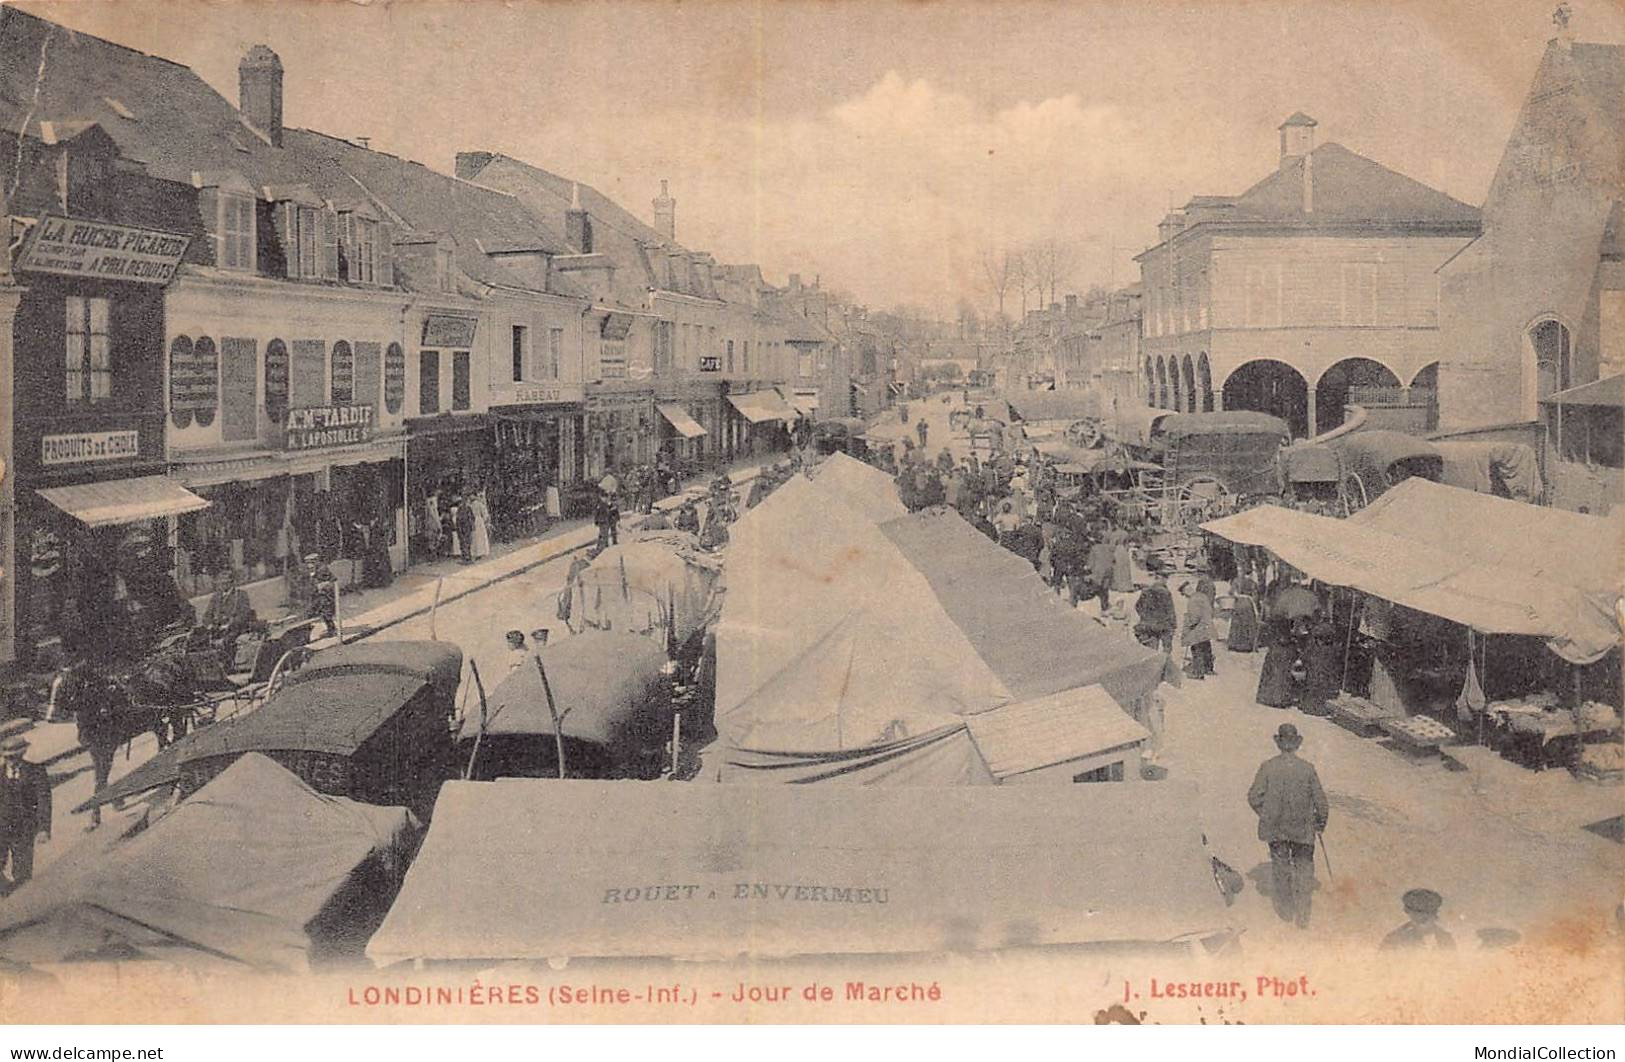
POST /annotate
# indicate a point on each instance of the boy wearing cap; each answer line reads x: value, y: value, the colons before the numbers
x: 25, y: 809
x: 1291, y: 806
x: 1423, y: 930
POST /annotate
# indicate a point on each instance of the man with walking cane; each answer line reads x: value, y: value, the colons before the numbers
x: 1292, y: 811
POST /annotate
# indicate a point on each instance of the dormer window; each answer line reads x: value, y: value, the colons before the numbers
x: 363, y: 268
x: 307, y: 228
x: 364, y: 248
x: 230, y: 212
x: 236, y: 232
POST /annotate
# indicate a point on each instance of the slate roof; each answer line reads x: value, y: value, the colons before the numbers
x: 638, y: 250
x: 1350, y: 188
x: 478, y: 220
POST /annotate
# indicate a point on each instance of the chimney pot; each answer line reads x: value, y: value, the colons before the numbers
x: 259, y: 91
x: 665, y: 208
x: 1297, y: 137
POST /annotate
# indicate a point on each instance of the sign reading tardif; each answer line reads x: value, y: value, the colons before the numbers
x: 448, y: 330
x: 328, y: 426
x: 89, y: 446
x: 76, y: 248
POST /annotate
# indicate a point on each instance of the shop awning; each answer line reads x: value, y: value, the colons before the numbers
x: 805, y: 404
x: 678, y: 418
x: 1608, y: 391
x: 761, y: 406
x: 123, y: 501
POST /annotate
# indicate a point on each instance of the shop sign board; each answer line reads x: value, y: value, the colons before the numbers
x: 74, y: 247
x: 319, y: 426
x: 443, y: 330
x: 710, y: 363
x: 540, y: 394
x: 87, y: 446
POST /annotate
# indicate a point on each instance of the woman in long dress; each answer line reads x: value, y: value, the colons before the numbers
x: 1276, y: 687
x: 480, y: 546
x: 1244, y: 624
x: 1122, y: 563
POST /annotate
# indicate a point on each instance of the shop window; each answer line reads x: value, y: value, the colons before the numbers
x: 89, y: 356
x: 276, y: 380
x: 521, y: 341
x: 460, y: 386
x: 555, y: 352
x: 343, y: 374
x: 429, y: 381
x: 237, y: 237
x: 394, y: 378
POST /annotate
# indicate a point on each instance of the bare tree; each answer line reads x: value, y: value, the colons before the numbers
x: 1021, y: 273
x: 1052, y: 263
x: 998, y: 270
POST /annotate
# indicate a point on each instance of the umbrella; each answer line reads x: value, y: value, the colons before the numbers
x: 1296, y: 602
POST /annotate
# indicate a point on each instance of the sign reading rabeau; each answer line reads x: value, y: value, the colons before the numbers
x: 77, y: 248
x: 320, y: 426
x: 89, y: 446
x: 539, y: 394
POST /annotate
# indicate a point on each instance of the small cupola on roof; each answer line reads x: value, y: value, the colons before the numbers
x: 665, y: 213
x: 1297, y: 137
x: 259, y: 92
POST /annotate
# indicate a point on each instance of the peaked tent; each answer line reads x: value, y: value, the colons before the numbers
x: 854, y: 652
x: 656, y: 582
x: 864, y: 487
x: 255, y: 868
x: 761, y: 871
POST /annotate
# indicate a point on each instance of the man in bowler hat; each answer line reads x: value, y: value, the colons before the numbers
x: 1291, y: 806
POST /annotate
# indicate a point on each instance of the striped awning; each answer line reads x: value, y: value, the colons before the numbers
x: 123, y: 501
x: 761, y: 406
x: 678, y: 418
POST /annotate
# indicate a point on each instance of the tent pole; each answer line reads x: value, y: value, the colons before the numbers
x: 434, y: 606
x: 553, y: 711
x: 1348, y: 639
x: 468, y: 772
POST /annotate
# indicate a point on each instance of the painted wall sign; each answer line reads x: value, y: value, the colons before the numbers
x: 446, y: 330
x: 319, y: 426
x: 710, y: 363
x: 77, y: 248
x: 540, y: 393
x: 89, y: 446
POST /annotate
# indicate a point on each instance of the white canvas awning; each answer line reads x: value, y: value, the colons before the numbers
x: 761, y: 406
x: 678, y: 418
x: 123, y: 501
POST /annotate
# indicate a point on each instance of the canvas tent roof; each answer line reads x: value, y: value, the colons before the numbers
x: 767, y: 871
x: 1608, y: 391
x: 652, y: 583
x: 864, y: 487
x: 245, y: 869
x: 601, y: 681
x: 1069, y: 725
x: 1399, y: 552
x: 853, y: 651
x: 1069, y: 405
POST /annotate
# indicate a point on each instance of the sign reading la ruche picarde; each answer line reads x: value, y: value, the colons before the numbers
x: 89, y: 446
x: 320, y: 426
x: 77, y: 248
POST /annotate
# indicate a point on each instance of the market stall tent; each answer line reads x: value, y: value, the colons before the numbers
x: 657, y: 583
x: 854, y: 652
x: 255, y: 868
x: 532, y: 870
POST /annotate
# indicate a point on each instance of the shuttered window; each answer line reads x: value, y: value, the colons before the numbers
x: 88, y: 359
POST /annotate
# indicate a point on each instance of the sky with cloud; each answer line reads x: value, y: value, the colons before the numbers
x: 883, y: 145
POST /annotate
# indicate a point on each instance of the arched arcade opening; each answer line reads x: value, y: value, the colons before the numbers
x: 1337, y: 382
x: 1268, y: 386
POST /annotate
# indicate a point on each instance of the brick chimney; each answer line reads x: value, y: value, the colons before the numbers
x: 666, y: 214
x: 577, y: 223
x: 259, y: 91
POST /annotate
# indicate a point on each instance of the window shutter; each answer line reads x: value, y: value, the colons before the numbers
x: 346, y: 268
x: 330, y: 245
x: 286, y: 232
x: 384, y: 274
x: 208, y: 206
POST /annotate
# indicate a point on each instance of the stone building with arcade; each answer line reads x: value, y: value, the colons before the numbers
x: 1318, y: 280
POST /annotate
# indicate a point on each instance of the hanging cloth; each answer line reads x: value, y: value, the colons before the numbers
x: 1471, y: 701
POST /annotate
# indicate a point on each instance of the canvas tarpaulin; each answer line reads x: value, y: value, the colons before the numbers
x: 764, y: 871
x: 248, y: 869
x: 864, y: 487
x: 838, y: 635
x: 1478, y: 466
x: 655, y: 582
x: 1579, y: 557
x: 1062, y: 405
x: 1449, y: 582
